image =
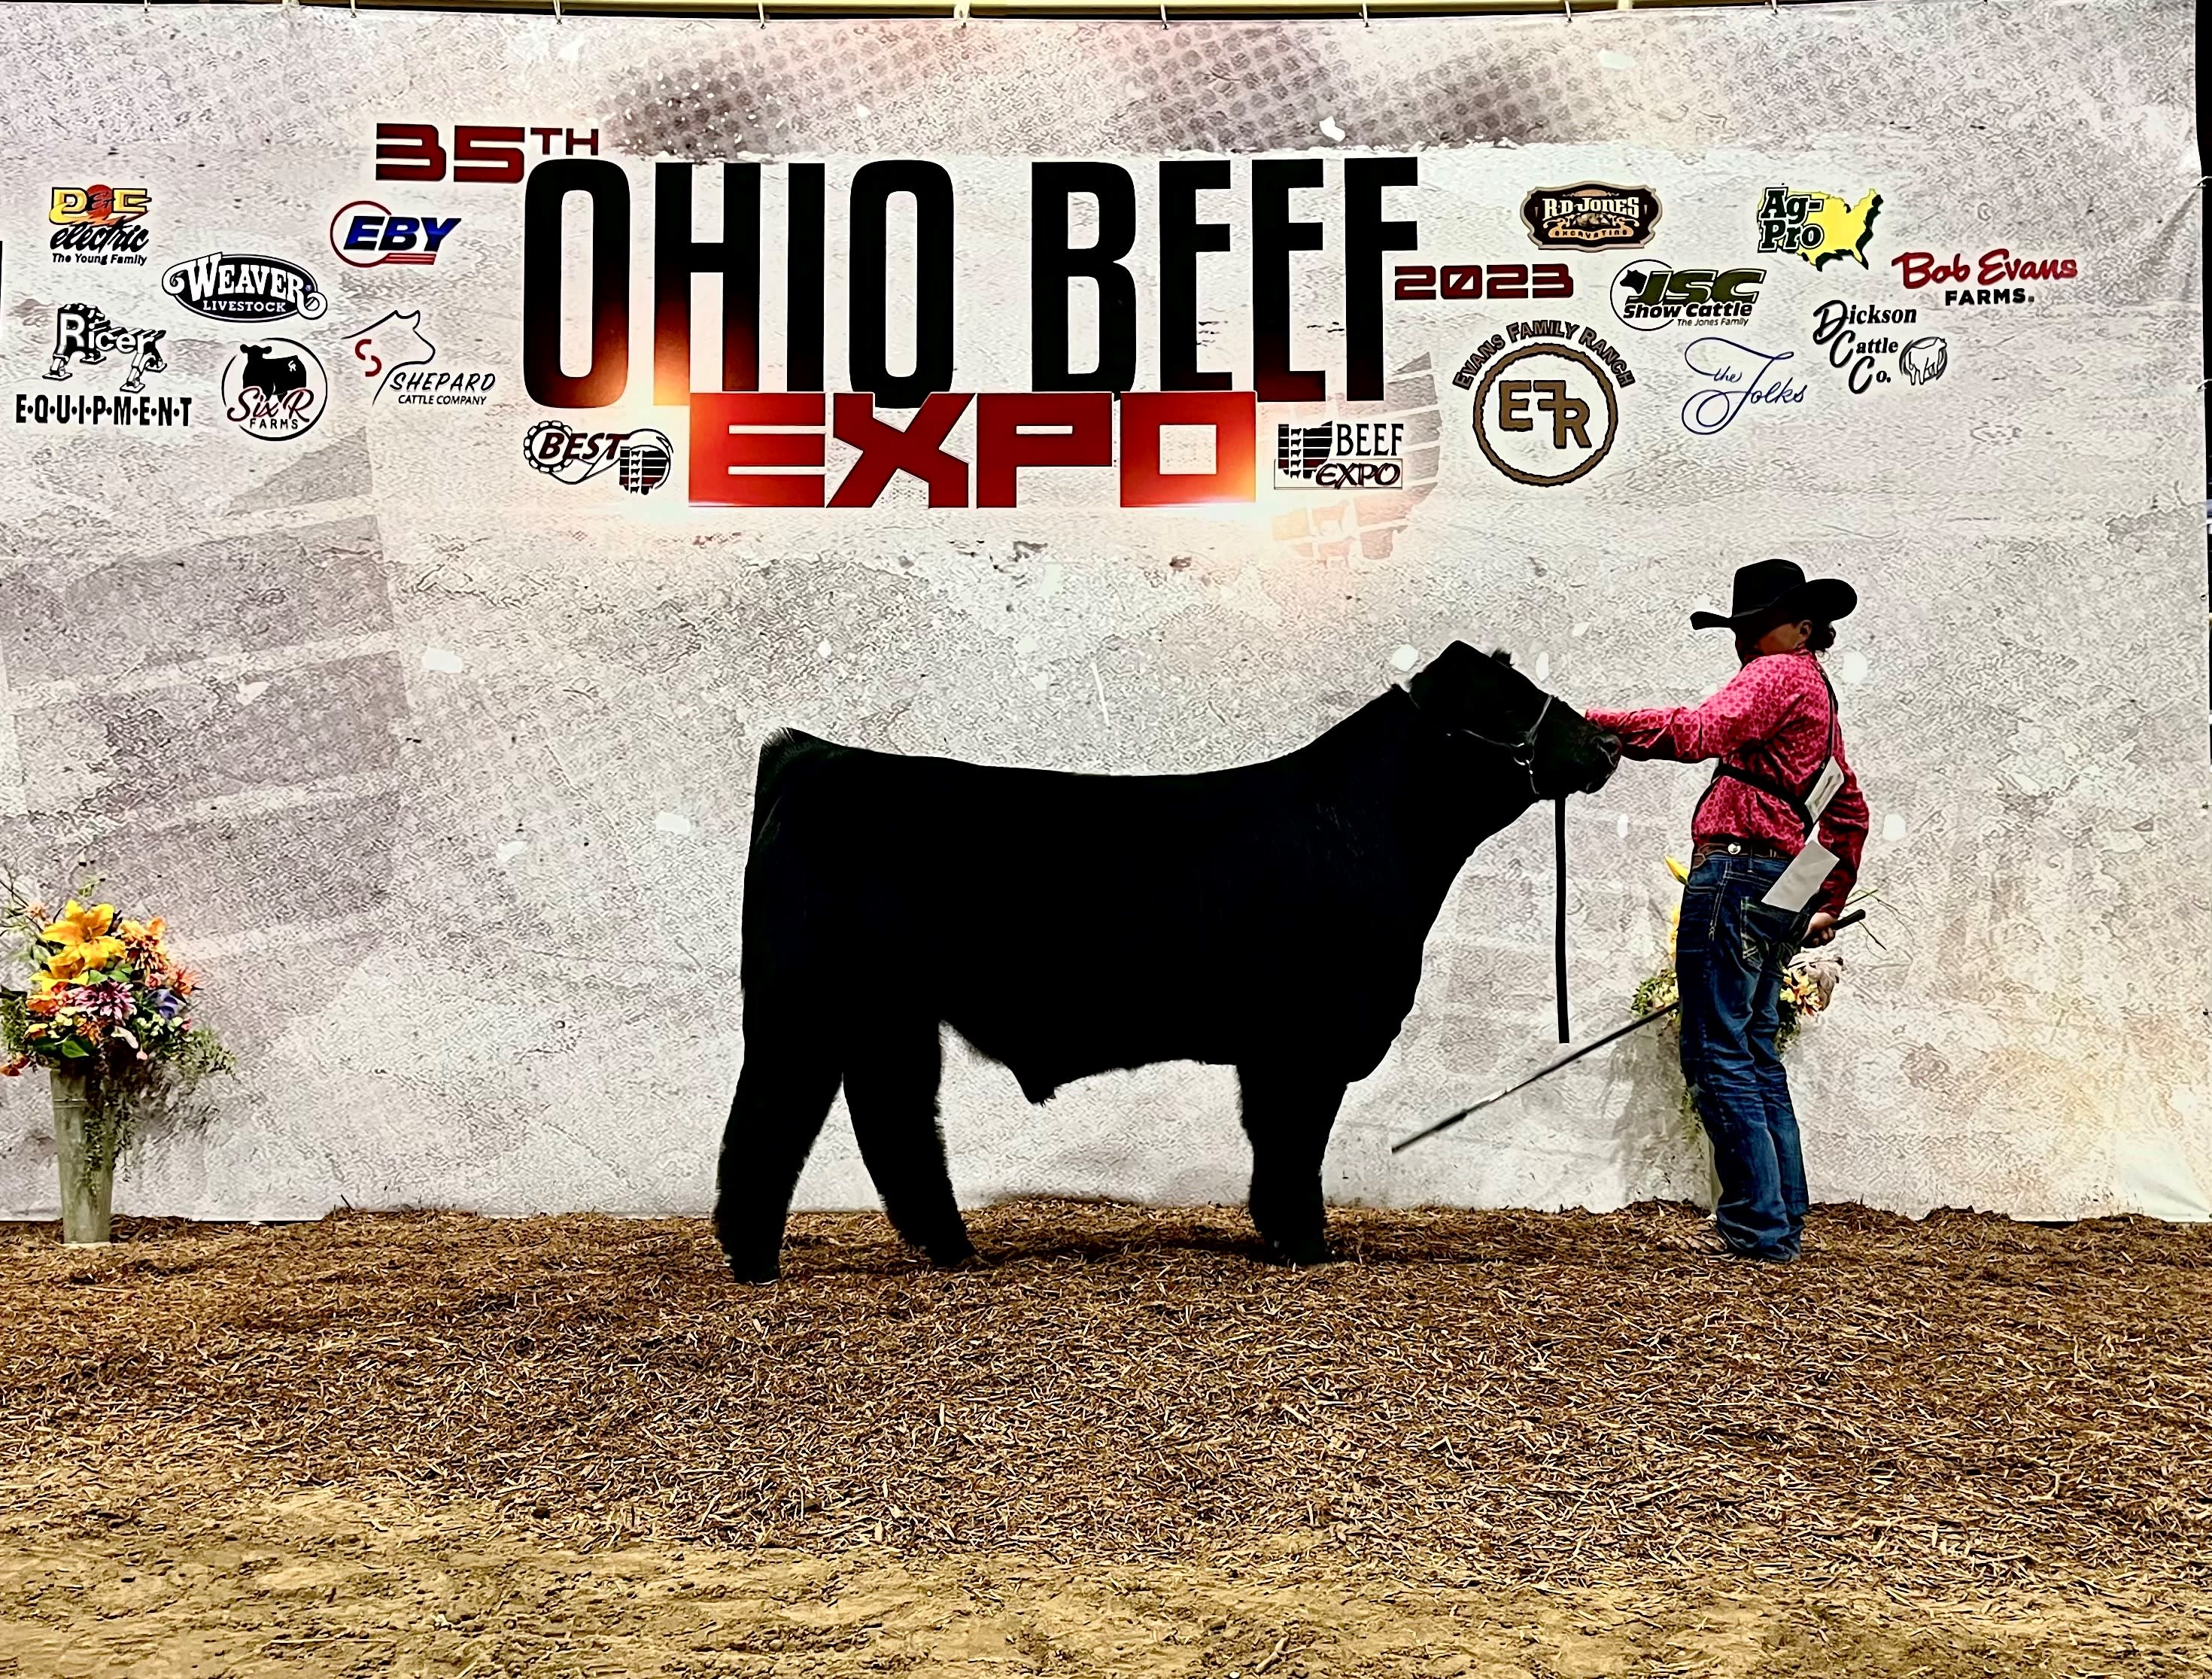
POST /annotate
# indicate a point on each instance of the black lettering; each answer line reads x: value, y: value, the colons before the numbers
x: 676, y: 256
x: 1182, y: 236
x: 802, y: 249
x: 1274, y: 236
x: 1366, y: 237
x: 1053, y: 265
x: 602, y: 382
x: 932, y: 190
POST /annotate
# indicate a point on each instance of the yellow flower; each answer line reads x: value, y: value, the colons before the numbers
x: 78, y: 923
x: 1679, y: 871
x: 84, y: 958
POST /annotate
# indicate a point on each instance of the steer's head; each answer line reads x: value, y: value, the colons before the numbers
x: 1482, y: 700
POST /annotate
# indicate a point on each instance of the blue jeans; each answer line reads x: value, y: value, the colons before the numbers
x: 1729, y: 956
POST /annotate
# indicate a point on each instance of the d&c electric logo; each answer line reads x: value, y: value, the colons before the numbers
x: 99, y: 224
x: 366, y: 235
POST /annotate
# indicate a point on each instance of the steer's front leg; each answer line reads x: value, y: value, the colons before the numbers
x: 1288, y: 1112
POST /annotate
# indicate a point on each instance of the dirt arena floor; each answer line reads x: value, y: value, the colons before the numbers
x: 1489, y: 1444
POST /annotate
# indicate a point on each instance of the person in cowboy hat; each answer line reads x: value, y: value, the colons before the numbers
x: 1775, y: 732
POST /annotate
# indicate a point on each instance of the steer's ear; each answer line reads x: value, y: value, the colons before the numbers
x: 1501, y: 656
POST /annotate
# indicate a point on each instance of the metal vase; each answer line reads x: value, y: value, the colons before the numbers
x: 88, y: 1179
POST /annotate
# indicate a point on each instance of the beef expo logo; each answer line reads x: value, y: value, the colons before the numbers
x: 275, y: 391
x: 1340, y: 455
x: 1555, y: 417
x: 1994, y: 279
x: 1648, y: 295
x: 82, y: 333
x: 226, y: 287
x: 1591, y: 216
x: 99, y: 224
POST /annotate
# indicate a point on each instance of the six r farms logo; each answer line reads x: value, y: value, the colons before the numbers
x: 1591, y: 215
x: 1994, y: 279
x: 99, y: 224
x: 82, y: 333
x: 365, y: 234
x: 392, y: 350
x: 641, y: 459
x: 224, y: 287
x: 1342, y: 454
x: 1545, y: 413
x: 1648, y: 295
x: 1817, y: 226
x: 274, y: 391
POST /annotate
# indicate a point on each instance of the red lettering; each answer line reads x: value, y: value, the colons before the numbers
x: 885, y: 450
x: 1921, y: 269
x: 1003, y: 447
x: 1415, y: 284
x: 1229, y: 413
x: 718, y: 448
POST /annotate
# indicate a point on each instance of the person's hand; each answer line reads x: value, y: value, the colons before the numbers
x: 1821, y: 929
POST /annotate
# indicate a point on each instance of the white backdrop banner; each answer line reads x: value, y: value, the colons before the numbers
x: 435, y: 453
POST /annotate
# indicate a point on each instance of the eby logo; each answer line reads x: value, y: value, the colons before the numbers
x: 365, y: 234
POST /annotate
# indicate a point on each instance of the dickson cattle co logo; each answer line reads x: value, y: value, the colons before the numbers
x: 99, y: 224
x: 1867, y: 361
x: 1545, y: 414
x: 1817, y: 226
x: 82, y: 333
x: 393, y: 352
x: 365, y: 234
x: 641, y: 459
x: 225, y: 286
x: 274, y: 391
x: 1994, y: 279
x: 1591, y: 216
x: 1344, y: 454
x: 1648, y: 295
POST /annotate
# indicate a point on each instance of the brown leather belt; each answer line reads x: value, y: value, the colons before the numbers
x: 1722, y: 845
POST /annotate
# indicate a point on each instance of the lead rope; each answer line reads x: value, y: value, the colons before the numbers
x: 1559, y: 913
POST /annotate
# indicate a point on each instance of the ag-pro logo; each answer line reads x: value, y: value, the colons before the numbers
x: 365, y: 234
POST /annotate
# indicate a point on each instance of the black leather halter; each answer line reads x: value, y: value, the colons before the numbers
x: 1521, y: 749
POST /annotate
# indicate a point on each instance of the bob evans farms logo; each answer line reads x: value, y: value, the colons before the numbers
x: 225, y: 287
x: 1994, y: 279
x: 1591, y: 215
x: 96, y: 224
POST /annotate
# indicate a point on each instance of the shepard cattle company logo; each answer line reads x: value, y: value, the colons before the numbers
x: 274, y: 391
x: 226, y: 286
x: 1998, y: 277
x: 394, y: 353
x: 1648, y: 295
x: 99, y: 224
x: 641, y: 459
x: 82, y: 333
x: 1591, y: 216
x: 1545, y: 413
x: 1818, y: 226
x: 1867, y: 359
x: 366, y: 235
x: 1344, y: 454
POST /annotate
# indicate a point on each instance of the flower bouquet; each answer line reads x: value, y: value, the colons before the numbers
x: 99, y: 1002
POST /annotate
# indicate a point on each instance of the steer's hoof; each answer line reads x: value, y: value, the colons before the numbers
x: 1302, y: 1254
x: 962, y: 1258
x: 755, y: 1271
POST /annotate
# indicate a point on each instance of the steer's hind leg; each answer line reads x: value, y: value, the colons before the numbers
x: 784, y: 1092
x: 891, y: 1083
x: 1288, y: 1112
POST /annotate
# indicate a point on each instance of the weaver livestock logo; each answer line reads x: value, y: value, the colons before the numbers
x: 1868, y: 360
x: 365, y: 234
x: 274, y: 391
x: 641, y: 459
x: 99, y: 224
x: 82, y: 333
x: 1545, y: 414
x: 1998, y: 277
x: 1340, y: 455
x: 1818, y: 226
x: 1591, y: 216
x: 226, y: 287
x: 1648, y: 295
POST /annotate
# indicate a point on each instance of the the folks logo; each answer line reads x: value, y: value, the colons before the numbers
x: 1817, y: 226
x: 1996, y: 279
x: 99, y: 224
x: 1340, y: 455
x: 365, y: 234
x: 393, y: 351
x: 1648, y: 295
x: 1591, y: 216
x: 1545, y: 414
x: 641, y: 459
x: 82, y: 333
x: 274, y: 391
x: 226, y: 287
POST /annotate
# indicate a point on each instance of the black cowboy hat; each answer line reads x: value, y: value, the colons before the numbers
x: 1778, y: 592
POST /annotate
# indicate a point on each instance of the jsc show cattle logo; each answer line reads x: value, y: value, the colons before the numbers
x: 1340, y: 455
x: 366, y: 235
x: 1546, y: 413
x: 641, y: 459
x: 1820, y: 226
x: 225, y: 286
x: 274, y: 391
x: 84, y: 334
x: 1648, y: 295
x: 99, y: 224
x: 1591, y: 216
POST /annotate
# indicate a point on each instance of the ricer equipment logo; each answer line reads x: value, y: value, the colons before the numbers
x: 641, y: 459
x: 99, y: 224
x: 1648, y: 295
x: 1591, y: 216
x: 82, y: 333
x: 226, y: 286
x: 274, y: 391
x: 366, y: 235
x: 1340, y: 455
x: 1817, y: 226
x: 1545, y: 414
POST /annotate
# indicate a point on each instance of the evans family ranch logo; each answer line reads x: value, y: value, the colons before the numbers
x: 224, y: 286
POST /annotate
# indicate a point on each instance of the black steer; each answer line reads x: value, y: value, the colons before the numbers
x: 1269, y: 918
